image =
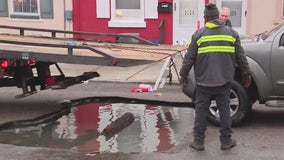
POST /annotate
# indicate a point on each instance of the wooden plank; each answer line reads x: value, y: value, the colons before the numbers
x: 119, y: 124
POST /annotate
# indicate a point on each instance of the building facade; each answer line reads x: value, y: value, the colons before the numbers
x: 161, y: 21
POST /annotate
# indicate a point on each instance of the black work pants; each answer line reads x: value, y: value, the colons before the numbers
x: 203, y: 98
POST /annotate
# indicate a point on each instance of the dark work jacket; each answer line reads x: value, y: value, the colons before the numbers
x: 215, y: 50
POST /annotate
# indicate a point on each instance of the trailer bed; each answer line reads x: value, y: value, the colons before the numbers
x: 25, y: 60
x: 64, y: 50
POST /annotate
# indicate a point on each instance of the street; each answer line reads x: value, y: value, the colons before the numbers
x: 93, y: 105
x: 260, y: 137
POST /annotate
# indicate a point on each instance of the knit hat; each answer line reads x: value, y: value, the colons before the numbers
x: 211, y: 10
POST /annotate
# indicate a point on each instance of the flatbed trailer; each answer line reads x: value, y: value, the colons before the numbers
x: 48, y: 50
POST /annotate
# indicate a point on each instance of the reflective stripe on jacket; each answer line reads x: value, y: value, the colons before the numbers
x: 218, y: 47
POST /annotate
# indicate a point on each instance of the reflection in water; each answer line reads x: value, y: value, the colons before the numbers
x: 155, y: 128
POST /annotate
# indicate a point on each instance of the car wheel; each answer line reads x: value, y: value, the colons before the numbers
x: 240, y: 106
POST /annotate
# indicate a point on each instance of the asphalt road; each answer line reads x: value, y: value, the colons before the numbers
x: 260, y: 137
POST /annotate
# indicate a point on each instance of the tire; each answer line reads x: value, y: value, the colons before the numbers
x: 240, y: 106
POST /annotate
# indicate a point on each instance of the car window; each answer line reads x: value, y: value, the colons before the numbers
x: 281, y: 43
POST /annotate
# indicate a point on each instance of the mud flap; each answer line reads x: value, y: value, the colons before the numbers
x: 70, y: 81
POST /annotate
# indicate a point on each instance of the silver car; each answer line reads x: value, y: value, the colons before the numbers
x: 265, y: 54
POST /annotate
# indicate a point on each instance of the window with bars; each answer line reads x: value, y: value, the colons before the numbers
x: 27, y: 9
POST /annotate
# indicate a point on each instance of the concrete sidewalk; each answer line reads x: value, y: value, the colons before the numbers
x: 140, y: 73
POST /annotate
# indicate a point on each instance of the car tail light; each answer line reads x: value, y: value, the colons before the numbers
x: 31, y: 62
x: 50, y: 80
x: 4, y: 64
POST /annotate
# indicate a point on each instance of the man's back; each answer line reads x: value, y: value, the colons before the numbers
x: 215, y: 61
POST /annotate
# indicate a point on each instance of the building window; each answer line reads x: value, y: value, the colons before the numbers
x: 128, y: 4
x: 25, y: 8
x: 188, y: 14
x: 127, y: 13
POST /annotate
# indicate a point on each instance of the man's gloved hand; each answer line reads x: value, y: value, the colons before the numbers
x: 183, y: 80
x: 246, y: 80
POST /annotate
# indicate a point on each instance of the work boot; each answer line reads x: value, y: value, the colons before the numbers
x: 230, y: 145
x: 196, y: 146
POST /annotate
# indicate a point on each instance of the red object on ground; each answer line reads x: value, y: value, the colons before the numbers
x: 139, y: 89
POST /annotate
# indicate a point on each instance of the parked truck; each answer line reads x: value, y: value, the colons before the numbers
x: 265, y: 54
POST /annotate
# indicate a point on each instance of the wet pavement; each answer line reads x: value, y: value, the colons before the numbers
x: 24, y: 108
x: 80, y: 127
x: 259, y: 138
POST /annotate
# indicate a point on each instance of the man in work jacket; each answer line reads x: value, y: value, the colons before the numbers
x: 215, y: 50
x: 225, y: 16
